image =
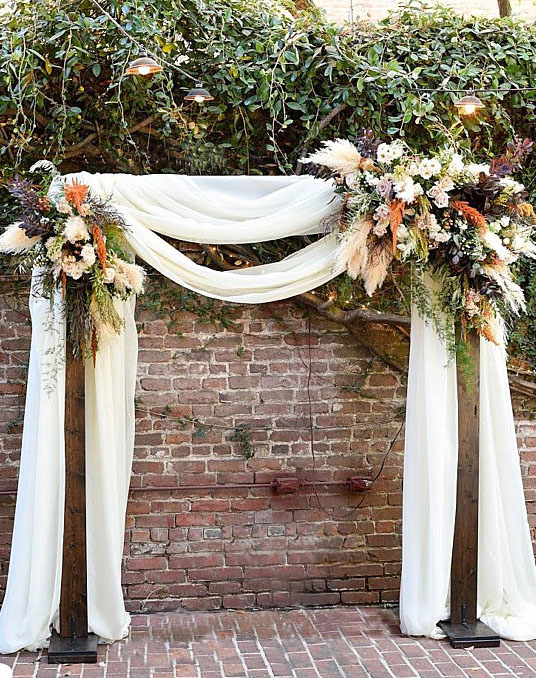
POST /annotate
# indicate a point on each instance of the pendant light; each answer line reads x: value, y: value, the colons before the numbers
x: 198, y: 94
x: 469, y: 104
x: 144, y: 65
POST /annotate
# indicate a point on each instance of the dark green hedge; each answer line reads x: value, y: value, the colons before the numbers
x: 277, y: 74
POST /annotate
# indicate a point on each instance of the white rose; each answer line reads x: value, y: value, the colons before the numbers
x: 109, y: 276
x: 446, y: 184
x: 88, y: 255
x: 352, y: 181
x: 441, y: 200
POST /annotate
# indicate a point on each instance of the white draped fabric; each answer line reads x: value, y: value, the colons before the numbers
x: 221, y: 210
x: 32, y: 596
x: 224, y: 209
x: 506, y: 569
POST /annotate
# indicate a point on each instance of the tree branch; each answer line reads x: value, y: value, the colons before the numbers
x: 505, y: 8
x: 321, y: 125
x: 364, y: 315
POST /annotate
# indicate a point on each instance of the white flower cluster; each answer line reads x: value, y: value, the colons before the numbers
x: 428, y: 222
x: 429, y: 167
x: 509, y: 239
x: 406, y: 245
x: 388, y: 152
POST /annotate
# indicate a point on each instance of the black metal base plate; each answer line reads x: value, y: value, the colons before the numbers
x: 72, y: 650
x: 470, y: 635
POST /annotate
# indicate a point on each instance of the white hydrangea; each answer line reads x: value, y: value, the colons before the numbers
x: 371, y: 179
x: 440, y: 236
x: 407, y: 190
x: 75, y: 229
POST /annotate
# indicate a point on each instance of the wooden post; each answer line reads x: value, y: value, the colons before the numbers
x: 464, y: 629
x: 73, y: 644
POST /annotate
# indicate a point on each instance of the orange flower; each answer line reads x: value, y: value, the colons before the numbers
x: 100, y: 245
x: 396, y: 214
x: 472, y: 215
x: 486, y: 332
x: 76, y: 193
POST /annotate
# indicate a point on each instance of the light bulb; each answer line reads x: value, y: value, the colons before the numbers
x: 468, y: 109
x: 199, y: 99
x: 144, y: 70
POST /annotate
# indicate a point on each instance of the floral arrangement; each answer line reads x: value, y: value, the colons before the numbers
x: 465, y: 223
x: 78, y: 244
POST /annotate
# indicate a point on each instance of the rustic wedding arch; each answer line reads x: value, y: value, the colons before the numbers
x: 239, y: 209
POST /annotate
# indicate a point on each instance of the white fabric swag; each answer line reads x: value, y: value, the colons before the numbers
x: 220, y: 210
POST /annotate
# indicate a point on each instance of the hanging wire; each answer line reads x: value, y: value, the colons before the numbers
x: 472, y: 89
x: 141, y: 47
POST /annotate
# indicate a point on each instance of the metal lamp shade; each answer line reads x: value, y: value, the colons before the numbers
x: 199, y: 94
x: 468, y: 104
x: 143, y: 66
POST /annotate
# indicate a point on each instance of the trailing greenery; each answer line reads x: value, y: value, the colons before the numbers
x: 242, y: 435
x: 282, y: 79
x: 168, y: 300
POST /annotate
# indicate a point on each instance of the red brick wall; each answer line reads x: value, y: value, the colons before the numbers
x: 246, y: 547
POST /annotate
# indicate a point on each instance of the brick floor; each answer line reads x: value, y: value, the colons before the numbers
x: 300, y: 643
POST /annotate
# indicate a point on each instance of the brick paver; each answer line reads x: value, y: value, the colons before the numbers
x: 299, y: 643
